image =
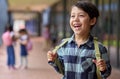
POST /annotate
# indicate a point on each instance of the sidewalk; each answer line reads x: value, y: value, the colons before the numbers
x: 37, y: 62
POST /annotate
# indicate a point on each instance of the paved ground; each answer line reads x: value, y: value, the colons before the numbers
x: 38, y: 67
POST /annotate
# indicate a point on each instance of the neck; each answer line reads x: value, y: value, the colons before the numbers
x: 81, y: 39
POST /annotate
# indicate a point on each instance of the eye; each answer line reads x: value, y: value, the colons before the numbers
x: 81, y: 15
x: 72, y: 16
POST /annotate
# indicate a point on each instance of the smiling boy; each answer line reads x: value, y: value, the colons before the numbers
x: 77, y: 56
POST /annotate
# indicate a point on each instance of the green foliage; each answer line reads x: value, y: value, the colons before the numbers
x: 111, y: 42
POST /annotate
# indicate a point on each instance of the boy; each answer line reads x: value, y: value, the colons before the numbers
x: 77, y: 56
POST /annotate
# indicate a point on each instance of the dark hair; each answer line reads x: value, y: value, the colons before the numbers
x: 89, y: 8
x: 8, y: 28
x: 23, y: 31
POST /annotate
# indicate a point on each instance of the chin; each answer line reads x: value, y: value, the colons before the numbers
x: 77, y: 33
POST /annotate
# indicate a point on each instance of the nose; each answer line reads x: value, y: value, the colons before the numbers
x: 76, y: 18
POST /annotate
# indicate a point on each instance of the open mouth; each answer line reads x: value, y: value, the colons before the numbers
x: 77, y: 26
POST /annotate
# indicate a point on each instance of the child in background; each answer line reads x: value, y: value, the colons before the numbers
x: 8, y: 40
x: 46, y: 35
x: 23, y: 51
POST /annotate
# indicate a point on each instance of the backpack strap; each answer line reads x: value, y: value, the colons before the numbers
x: 98, y: 55
x: 57, y: 47
x: 57, y: 62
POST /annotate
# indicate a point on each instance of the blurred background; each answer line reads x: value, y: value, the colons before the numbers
x: 50, y: 19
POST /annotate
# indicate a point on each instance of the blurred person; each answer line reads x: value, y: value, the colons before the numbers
x: 46, y: 36
x: 46, y: 16
x: 54, y: 39
x: 54, y: 35
x: 77, y: 56
x: 46, y: 28
x: 23, y: 39
x: 8, y: 40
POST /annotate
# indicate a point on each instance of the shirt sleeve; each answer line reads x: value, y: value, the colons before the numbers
x: 104, y: 56
x: 58, y: 64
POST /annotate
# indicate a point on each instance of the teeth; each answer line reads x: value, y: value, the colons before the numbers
x: 77, y: 26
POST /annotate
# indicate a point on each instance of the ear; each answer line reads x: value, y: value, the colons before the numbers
x: 93, y: 21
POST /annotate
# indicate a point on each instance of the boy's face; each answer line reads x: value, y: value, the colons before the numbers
x: 80, y: 21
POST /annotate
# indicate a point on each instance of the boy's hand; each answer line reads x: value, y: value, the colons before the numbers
x: 51, y: 56
x: 100, y: 64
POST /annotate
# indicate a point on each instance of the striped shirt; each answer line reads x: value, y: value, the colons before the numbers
x: 77, y: 61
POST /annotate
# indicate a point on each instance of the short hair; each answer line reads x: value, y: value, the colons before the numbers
x: 89, y: 8
x: 8, y: 28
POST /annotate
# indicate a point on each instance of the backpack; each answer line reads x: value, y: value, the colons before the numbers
x: 97, y: 54
x: 29, y: 45
x: 7, y: 39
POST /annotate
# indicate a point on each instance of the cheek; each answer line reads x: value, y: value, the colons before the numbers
x: 70, y: 22
x: 85, y: 22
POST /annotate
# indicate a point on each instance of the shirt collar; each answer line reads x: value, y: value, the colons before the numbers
x: 71, y: 39
x: 88, y: 43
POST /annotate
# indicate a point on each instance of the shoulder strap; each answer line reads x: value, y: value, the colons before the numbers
x: 98, y: 55
x: 57, y: 47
